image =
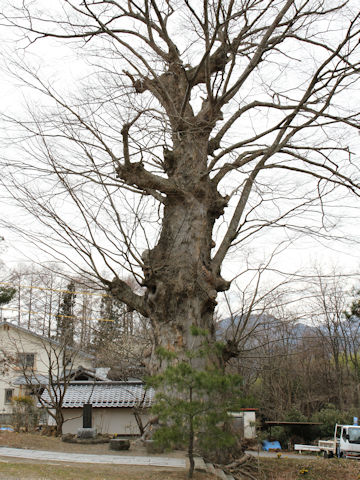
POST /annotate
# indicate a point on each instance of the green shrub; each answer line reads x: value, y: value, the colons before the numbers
x: 329, y: 416
x: 25, y: 413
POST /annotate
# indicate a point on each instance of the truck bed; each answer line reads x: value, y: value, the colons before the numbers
x: 306, y: 448
x: 327, y: 445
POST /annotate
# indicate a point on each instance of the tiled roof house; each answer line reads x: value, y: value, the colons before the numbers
x: 113, y: 403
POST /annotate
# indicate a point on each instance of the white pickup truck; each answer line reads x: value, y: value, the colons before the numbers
x: 346, y: 443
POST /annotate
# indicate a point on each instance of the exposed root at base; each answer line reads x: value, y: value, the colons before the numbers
x: 242, y: 468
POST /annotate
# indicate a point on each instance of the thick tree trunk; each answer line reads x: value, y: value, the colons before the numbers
x: 179, y: 276
x: 181, y: 284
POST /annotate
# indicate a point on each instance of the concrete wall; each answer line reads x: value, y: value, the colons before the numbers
x: 249, y: 424
x: 105, y: 420
x: 14, y: 341
x: 245, y: 421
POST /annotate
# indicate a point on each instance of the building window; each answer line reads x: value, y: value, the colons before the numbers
x: 26, y: 360
x: 8, y: 395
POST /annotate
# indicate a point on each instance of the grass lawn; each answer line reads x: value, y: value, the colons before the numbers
x: 36, y: 471
x: 314, y: 469
x: 11, y: 469
x: 269, y: 468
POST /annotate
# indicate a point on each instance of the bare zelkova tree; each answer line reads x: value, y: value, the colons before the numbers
x: 197, y: 127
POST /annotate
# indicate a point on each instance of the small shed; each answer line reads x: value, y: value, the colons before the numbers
x: 113, y: 406
x: 244, y: 422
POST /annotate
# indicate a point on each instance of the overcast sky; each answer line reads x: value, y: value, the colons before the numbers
x: 58, y: 64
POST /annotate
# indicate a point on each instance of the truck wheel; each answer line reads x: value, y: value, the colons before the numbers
x: 325, y: 454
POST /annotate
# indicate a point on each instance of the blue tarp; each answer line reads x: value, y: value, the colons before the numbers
x: 266, y: 445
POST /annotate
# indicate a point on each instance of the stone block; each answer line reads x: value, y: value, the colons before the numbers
x: 200, y: 465
x: 86, y: 433
x: 119, y: 444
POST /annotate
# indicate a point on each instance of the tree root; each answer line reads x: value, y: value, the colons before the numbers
x: 241, y: 468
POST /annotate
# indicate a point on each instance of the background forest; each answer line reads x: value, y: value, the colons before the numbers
x: 298, y: 360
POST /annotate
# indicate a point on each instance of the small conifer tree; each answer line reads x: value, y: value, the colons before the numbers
x: 6, y: 294
x: 25, y: 413
x: 108, y: 335
x: 193, y: 405
x: 65, y: 328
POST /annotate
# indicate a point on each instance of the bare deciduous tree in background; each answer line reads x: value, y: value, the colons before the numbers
x: 197, y: 121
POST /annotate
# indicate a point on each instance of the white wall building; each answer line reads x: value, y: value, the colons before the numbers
x: 113, y: 405
x: 244, y: 422
x: 27, y: 354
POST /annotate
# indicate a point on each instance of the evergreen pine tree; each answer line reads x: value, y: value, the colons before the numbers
x: 6, y: 294
x: 354, y: 309
x: 109, y: 332
x: 193, y: 405
x: 65, y: 328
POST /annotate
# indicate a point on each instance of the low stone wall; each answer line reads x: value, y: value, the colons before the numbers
x: 72, y: 438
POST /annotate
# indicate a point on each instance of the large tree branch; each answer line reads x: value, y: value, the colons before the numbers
x: 239, y: 210
x: 135, y: 174
x: 121, y: 291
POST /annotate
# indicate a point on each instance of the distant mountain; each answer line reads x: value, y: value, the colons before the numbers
x: 264, y: 324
